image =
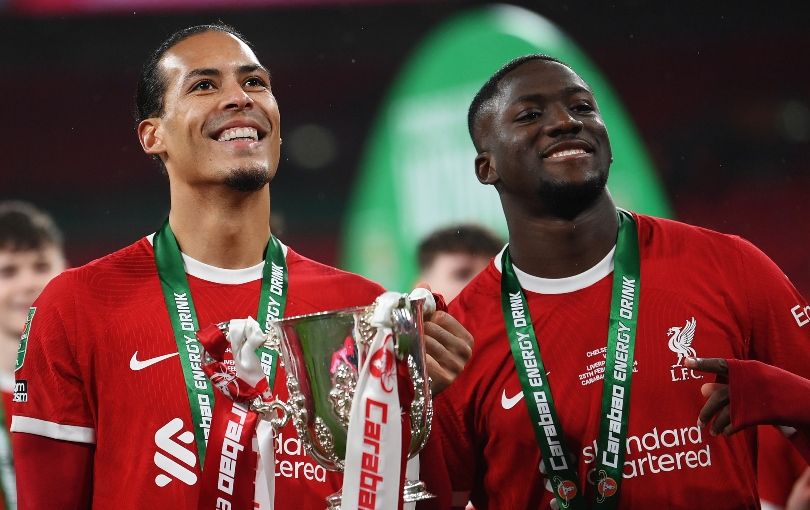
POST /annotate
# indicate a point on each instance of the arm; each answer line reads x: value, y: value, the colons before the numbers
x: 52, y: 473
x: 755, y: 394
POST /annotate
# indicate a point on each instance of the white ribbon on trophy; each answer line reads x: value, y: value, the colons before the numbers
x: 245, y: 336
x: 372, y: 475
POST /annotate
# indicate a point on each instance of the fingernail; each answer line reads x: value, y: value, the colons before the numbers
x: 700, y: 424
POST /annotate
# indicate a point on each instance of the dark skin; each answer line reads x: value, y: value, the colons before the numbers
x: 543, y: 129
x: 716, y: 409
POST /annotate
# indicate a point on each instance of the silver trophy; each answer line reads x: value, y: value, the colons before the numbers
x: 321, y: 353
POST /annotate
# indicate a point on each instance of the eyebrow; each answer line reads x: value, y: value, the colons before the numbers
x: 207, y: 71
x: 568, y: 91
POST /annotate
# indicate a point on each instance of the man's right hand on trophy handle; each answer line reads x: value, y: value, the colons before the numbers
x: 448, y: 346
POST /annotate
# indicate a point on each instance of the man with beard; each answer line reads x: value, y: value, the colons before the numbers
x: 588, y: 302
x: 117, y: 409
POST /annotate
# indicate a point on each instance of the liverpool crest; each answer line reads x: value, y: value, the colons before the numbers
x: 680, y: 342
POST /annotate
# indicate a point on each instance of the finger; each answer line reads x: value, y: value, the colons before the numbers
x: 722, y: 421
x: 423, y: 285
x: 439, y: 379
x: 448, y: 360
x: 443, y: 322
x: 718, y: 399
x: 709, y: 389
x: 712, y: 365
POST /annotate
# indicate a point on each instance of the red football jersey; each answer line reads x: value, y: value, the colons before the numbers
x: 101, y: 367
x: 702, y: 293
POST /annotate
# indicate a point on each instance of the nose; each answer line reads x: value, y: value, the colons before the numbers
x: 236, y: 98
x: 560, y: 122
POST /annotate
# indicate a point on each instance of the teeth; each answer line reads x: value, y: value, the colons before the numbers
x: 563, y: 154
x: 240, y: 132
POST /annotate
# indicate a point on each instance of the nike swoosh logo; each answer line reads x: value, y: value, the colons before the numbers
x: 135, y: 364
x: 510, y: 402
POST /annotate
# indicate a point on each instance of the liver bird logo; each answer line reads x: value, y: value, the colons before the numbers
x: 680, y: 340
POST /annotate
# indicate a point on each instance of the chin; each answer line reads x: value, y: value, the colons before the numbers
x: 568, y: 199
x: 249, y: 178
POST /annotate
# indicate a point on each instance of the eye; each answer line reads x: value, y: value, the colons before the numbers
x: 529, y: 115
x: 203, y: 86
x: 255, y: 82
x: 583, y: 107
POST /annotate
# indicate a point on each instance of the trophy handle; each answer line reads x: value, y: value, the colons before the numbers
x: 276, y: 412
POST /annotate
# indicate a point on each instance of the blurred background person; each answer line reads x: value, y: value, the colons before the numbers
x: 30, y: 255
x: 450, y: 257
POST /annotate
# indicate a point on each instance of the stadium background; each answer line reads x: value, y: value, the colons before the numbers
x: 719, y: 91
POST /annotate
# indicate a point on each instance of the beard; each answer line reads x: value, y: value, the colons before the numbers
x: 567, y: 200
x: 248, y: 179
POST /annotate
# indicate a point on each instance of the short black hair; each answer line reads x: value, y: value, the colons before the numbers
x: 23, y: 227
x: 470, y: 239
x: 152, y: 83
x: 492, y: 86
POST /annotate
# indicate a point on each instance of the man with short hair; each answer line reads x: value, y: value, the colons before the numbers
x: 30, y: 255
x: 450, y: 257
x: 578, y: 392
x: 118, y: 410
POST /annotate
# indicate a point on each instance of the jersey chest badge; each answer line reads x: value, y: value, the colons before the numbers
x: 680, y: 343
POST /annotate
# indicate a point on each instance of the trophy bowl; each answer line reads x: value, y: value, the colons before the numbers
x: 322, y: 354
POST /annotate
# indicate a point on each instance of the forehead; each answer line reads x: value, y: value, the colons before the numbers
x: 540, y: 78
x: 207, y: 50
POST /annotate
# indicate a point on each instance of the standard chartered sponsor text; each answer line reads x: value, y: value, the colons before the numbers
x: 195, y: 360
x: 558, y: 461
x: 685, y: 450
x: 288, y: 447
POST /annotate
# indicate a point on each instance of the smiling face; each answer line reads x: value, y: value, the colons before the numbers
x: 542, y: 140
x: 220, y: 122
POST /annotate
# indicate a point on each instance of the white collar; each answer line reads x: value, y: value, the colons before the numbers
x: 562, y: 285
x: 215, y: 274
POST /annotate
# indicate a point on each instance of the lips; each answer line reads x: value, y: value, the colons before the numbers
x: 567, y: 148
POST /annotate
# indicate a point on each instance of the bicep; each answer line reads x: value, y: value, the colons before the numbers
x: 52, y: 473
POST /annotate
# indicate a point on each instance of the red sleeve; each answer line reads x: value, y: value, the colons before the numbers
x: 778, y: 466
x: 778, y: 318
x: 52, y: 473
x: 50, y: 395
x: 763, y: 394
x: 456, y: 472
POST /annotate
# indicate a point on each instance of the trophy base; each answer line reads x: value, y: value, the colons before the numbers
x: 413, y: 491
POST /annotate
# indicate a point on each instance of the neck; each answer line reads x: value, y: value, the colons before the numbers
x: 221, y: 227
x: 550, y: 247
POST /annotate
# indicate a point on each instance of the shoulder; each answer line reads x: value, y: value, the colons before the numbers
x: 479, y: 300
x: 108, y: 272
x: 670, y: 238
x: 327, y: 285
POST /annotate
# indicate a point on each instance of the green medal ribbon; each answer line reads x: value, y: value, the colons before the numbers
x: 615, y: 412
x: 177, y: 294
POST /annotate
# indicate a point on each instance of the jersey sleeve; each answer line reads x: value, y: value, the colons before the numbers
x: 454, y: 428
x: 779, y: 328
x: 50, y: 398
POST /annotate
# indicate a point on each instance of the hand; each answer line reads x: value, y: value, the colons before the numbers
x: 717, y: 396
x: 448, y: 346
x: 799, y: 498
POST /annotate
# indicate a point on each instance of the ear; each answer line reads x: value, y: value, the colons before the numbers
x: 150, y: 135
x: 485, y: 169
